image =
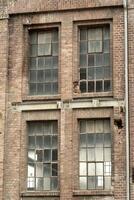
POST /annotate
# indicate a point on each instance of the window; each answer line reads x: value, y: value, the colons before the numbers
x: 43, y: 67
x: 42, y: 155
x: 95, y: 154
x: 95, y: 70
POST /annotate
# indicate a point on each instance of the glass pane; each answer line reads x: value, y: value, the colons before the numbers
x: 99, y: 59
x: 44, y: 37
x: 47, y: 155
x: 108, y: 183
x: 107, y: 85
x: 55, y: 127
x: 54, y: 88
x: 47, y: 128
x: 39, y: 170
x: 83, y: 169
x: 106, y: 32
x: 99, y: 86
x: 94, y: 46
x: 31, y: 170
x: 91, y: 140
x: 99, y: 154
x: 31, y: 142
x: 99, y: 182
x: 39, y: 155
x: 99, y: 126
x: 90, y: 126
x: 107, y: 126
x: 83, y: 47
x: 82, y: 154
x: 91, y: 182
x: 54, y: 74
x: 48, y: 62
x: 39, y: 142
x: 32, y: 88
x: 39, y: 183
x: 107, y: 140
x: 91, y: 86
x: 107, y: 72
x: 91, y: 60
x: 95, y: 34
x: 99, y: 169
x: 82, y: 140
x: 107, y: 154
x: 33, y: 50
x: 83, y: 34
x: 91, y: 169
x: 54, y: 183
x: 106, y: 46
x: 40, y: 88
x: 55, y: 49
x: 91, y: 73
x: 33, y: 38
x: 44, y: 49
x: 41, y: 62
x: 31, y: 183
x: 83, y: 183
x: 99, y: 73
x: 83, y: 126
x: 47, y: 141
x: 55, y: 36
x: 46, y: 184
x: 83, y: 60
x: 55, y: 61
x: 54, y: 170
x: 54, y: 155
x: 48, y: 75
x: 31, y: 155
x: 47, y: 170
x: 82, y: 73
x: 106, y: 59
x: 83, y: 86
x: 40, y: 76
x: 33, y: 76
x: 91, y: 154
x: 48, y: 89
x: 99, y: 140
x: 54, y: 142
x: 107, y: 168
x: 33, y: 63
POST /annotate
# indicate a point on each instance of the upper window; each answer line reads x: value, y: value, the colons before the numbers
x: 95, y: 154
x: 42, y: 155
x: 43, y: 66
x: 95, y: 69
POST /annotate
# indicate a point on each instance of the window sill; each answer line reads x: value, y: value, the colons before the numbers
x: 91, y: 95
x: 93, y: 193
x: 41, y: 97
x: 40, y: 194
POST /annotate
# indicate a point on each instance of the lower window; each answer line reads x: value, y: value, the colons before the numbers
x: 42, y: 155
x: 95, y: 154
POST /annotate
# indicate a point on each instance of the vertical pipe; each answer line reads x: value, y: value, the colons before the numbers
x: 125, y: 2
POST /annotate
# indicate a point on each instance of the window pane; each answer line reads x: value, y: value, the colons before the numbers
x: 106, y: 32
x: 99, y: 140
x: 91, y: 154
x: 47, y: 155
x: 91, y: 140
x: 99, y: 154
x: 49, y: 62
x: 99, y: 86
x: 91, y: 60
x: 41, y: 62
x: 54, y: 169
x: 91, y: 182
x: 54, y: 183
x: 99, y: 73
x: 90, y: 126
x: 44, y: 49
x: 31, y: 155
x: 83, y: 47
x: 99, y: 59
x: 55, y: 61
x: 107, y: 85
x: 108, y: 183
x: 54, y: 74
x: 31, y: 142
x: 83, y: 169
x: 91, y: 73
x: 32, y: 75
x: 83, y: 60
x: 99, y: 182
x: 54, y: 141
x: 40, y: 88
x: 106, y: 72
x: 82, y: 154
x: 55, y: 49
x: 83, y: 86
x: 47, y: 170
x: 33, y: 38
x: 99, y: 169
x: 33, y: 63
x: 107, y: 168
x: 83, y: 34
x: 91, y: 169
x: 107, y: 140
x: 30, y: 183
x: 106, y: 59
x: 82, y: 73
x: 39, y: 170
x: 54, y: 155
x: 99, y: 126
x: 39, y: 155
x: 82, y: 126
x: 83, y: 183
x: 106, y: 46
x: 44, y: 37
x: 33, y: 50
x: 39, y: 142
x: 55, y: 36
x: 55, y: 88
x: 31, y: 170
x: 82, y: 140
x: 46, y: 184
x: 39, y: 183
x: 48, y: 89
x: 107, y: 154
x: 48, y: 75
x: 40, y: 76
x: 91, y: 86
x: 47, y: 141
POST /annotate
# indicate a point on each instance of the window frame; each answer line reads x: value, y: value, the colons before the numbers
x: 76, y: 61
x: 25, y: 81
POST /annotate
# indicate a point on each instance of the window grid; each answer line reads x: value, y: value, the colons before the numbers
x: 42, y: 156
x: 95, y: 154
x: 95, y: 70
x: 43, y: 62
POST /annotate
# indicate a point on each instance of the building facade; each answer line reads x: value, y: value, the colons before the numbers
x: 63, y: 111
